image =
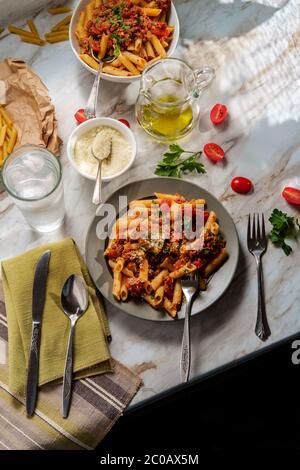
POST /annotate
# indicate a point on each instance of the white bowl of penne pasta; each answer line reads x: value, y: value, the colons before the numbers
x: 136, y: 32
x: 81, y: 140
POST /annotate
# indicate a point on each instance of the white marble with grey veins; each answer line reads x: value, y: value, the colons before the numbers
x: 255, y: 49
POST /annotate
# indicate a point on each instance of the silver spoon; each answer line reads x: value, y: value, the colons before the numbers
x: 101, y: 150
x: 74, y: 301
x: 91, y: 107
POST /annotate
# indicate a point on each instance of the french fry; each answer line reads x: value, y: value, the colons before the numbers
x: 3, y: 134
x: 59, y: 10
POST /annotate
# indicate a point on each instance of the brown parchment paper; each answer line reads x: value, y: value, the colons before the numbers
x: 28, y: 103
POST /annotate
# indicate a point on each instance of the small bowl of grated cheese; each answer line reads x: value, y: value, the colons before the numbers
x: 123, y: 148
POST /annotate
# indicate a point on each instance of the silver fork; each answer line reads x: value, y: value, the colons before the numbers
x: 257, y: 245
x: 190, y: 285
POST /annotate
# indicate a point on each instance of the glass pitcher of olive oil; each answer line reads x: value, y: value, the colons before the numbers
x: 168, y: 103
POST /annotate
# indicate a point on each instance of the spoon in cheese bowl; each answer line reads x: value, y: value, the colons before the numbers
x: 101, y: 150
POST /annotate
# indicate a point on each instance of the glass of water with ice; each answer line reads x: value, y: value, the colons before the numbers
x: 32, y: 176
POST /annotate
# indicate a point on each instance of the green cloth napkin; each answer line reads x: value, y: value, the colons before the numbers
x: 91, y: 354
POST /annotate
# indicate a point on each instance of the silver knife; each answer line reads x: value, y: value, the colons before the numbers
x: 38, y: 302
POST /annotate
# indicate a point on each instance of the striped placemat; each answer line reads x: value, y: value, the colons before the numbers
x: 97, y: 404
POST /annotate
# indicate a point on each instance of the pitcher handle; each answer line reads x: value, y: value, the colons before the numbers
x: 204, y: 77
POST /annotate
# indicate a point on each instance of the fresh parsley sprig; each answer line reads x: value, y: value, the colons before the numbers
x: 284, y: 226
x: 175, y: 162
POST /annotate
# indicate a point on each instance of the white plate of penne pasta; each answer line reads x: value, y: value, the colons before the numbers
x: 170, y: 228
x: 135, y: 32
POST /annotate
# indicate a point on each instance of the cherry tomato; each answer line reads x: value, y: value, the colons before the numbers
x: 241, y: 185
x: 218, y: 114
x: 125, y: 122
x: 214, y: 152
x: 80, y: 116
x: 291, y: 195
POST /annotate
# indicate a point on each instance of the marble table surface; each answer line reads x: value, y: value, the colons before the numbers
x: 254, y: 47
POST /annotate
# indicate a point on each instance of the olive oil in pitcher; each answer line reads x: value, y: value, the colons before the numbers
x: 169, y: 121
x: 167, y: 106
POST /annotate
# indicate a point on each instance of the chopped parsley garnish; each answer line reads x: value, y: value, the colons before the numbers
x: 174, y: 163
x: 117, y: 37
x: 117, y: 50
x: 284, y: 226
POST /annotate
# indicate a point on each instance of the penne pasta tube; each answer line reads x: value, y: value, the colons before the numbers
x: 143, y: 54
x: 124, y: 290
x: 149, y: 50
x: 167, y: 264
x: 3, y: 134
x: 177, y: 294
x: 32, y: 40
x: 135, y: 59
x: 116, y: 63
x: 144, y: 268
x: 12, y: 140
x: 128, y: 64
x: 216, y: 262
x: 214, y: 228
x: 151, y: 11
x: 117, y: 282
x: 90, y: 61
x: 19, y: 31
x: 5, y: 152
x: 103, y: 46
x: 58, y: 38
x: 211, y: 219
x: 54, y: 34
x: 81, y: 20
x: 119, y: 265
x: 63, y: 22
x: 183, y: 271
x: 1, y: 156
x: 137, y: 44
x: 157, y: 46
x: 169, y: 307
x: 150, y: 299
x: 159, y: 279
x: 59, y: 10
x: 159, y: 296
x: 98, y: 3
x: 171, y: 197
x: 115, y: 71
x: 127, y: 272
x: 33, y: 28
